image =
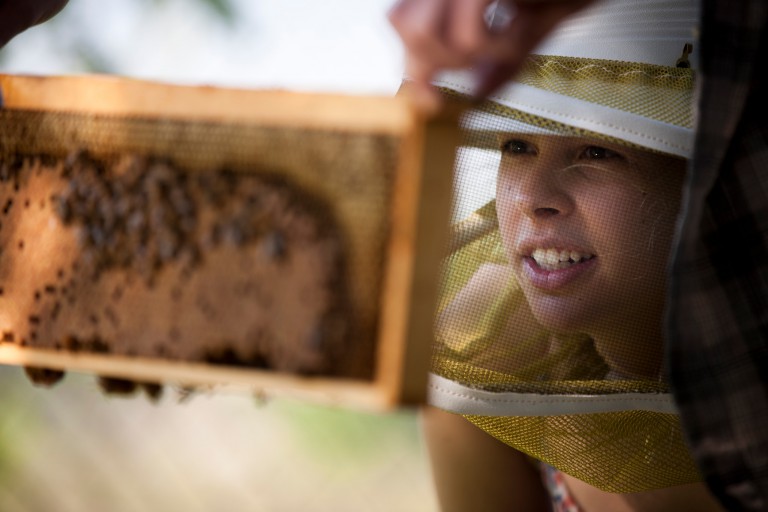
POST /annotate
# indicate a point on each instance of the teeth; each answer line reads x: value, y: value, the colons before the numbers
x: 552, y: 259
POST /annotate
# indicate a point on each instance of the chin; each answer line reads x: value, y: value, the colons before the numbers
x: 564, y: 315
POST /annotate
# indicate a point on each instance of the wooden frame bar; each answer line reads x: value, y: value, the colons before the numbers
x: 419, y: 216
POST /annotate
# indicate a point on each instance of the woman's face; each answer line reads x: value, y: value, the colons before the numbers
x: 587, y: 226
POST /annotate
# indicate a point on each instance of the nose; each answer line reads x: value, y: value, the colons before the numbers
x: 536, y: 193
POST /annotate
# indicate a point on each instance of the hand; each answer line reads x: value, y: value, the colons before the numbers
x: 18, y: 15
x: 453, y: 34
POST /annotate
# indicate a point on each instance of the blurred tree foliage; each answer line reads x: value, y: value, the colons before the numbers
x: 348, y: 437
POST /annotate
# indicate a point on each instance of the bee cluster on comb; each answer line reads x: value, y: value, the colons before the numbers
x: 221, y: 267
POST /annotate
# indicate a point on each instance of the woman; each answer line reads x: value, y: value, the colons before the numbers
x: 549, y: 334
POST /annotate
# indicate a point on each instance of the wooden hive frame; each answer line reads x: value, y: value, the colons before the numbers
x: 418, y: 216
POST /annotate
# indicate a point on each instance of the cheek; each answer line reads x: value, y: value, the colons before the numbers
x: 503, y: 190
x: 619, y: 214
x: 629, y: 224
x: 657, y: 228
x: 507, y: 214
x: 508, y: 229
x: 653, y: 205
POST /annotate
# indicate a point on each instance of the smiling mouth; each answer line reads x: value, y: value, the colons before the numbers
x: 554, y: 259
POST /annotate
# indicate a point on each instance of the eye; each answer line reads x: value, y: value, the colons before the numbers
x: 598, y: 153
x: 517, y: 147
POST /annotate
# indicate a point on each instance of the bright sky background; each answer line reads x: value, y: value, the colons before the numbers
x: 333, y: 45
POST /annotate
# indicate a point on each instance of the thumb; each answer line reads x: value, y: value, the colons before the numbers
x: 490, y: 75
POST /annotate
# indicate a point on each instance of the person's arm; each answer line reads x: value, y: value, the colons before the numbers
x: 453, y: 34
x: 474, y: 471
x: 18, y: 15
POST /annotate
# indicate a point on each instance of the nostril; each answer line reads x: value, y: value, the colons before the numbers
x: 546, y: 212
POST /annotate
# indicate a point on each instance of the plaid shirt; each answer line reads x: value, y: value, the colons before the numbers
x: 717, y: 324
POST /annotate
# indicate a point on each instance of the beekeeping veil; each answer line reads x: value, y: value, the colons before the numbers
x: 619, y: 75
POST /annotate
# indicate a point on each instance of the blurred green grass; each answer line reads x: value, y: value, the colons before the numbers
x: 70, y: 448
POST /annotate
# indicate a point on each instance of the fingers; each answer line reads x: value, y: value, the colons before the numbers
x: 422, y: 27
x: 450, y: 34
x: 492, y: 74
x: 437, y: 34
x: 18, y: 15
x: 49, y: 9
x: 506, y: 53
x: 466, y: 32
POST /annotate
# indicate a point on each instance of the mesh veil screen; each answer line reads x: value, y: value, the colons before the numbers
x: 549, y: 329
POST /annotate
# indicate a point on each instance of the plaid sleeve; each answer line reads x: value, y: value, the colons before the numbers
x: 717, y: 323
